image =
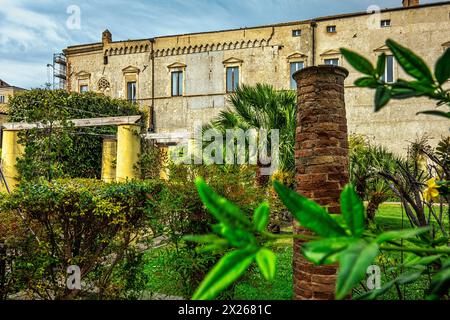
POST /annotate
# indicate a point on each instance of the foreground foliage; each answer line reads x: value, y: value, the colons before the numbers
x: 98, y: 227
x: 425, y: 83
x: 64, y: 152
x: 339, y: 239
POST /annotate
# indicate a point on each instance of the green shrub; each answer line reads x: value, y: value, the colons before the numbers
x: 87, y: 223
x: 183, y: 213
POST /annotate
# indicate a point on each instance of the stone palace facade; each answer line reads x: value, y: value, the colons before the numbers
x: 186, y: 78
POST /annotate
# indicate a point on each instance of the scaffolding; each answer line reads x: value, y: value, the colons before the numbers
x: 59, y: 67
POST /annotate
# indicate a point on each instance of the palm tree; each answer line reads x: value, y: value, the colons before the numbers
x: 366, y: 163
x: 263, y: 107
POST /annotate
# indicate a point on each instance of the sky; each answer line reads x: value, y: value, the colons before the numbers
x: 32, y: 30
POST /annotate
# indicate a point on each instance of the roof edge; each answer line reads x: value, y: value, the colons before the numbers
x: 85, y: 47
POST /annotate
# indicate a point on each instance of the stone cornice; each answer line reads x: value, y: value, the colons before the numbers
x: 131, y: 69
x: 331, y: 52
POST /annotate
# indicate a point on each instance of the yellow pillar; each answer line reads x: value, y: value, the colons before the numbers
x: 164, y: 174
x: 128, y: 150
x: 109, y: 155
x: 11, y: 150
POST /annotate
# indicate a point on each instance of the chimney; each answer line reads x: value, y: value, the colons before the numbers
x: 410, y: 3
x: 106, y: 37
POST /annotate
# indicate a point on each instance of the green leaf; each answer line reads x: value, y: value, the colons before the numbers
x: 209, y: 238
x: 222, y: 209
x: 442, y: 69
x: 226, y: 271
x: 401, y: 234
x: 382, y: 97
x: 404, y: 93
x: 353, y: 210
x: 423, y: 261
x: 436, y: 113
x: 366, y: 82
x: 440, y: 284
x: 353, y: 264
x: 267, y: 263
x: 326, y: 251
x: 237, y: 237
x: 410, y: 62
x: 381, y: 65
x: 408, y: 277
x: 402, y: 279
x: 358, y: 62
x: 419, y: 87
x: 309, y: 213
x: 218, y: 246
x: 372, y: 295
x: 261, y: 217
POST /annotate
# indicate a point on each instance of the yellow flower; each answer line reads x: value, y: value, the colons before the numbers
x: 431, y: 193
x: 432, y: 184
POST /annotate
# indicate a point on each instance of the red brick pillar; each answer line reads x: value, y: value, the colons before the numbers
x: 321, y: 155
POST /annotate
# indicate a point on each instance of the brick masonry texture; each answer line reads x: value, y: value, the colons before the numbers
x: 321, y: 155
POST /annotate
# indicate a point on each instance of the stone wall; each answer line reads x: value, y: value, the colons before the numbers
x: 264, y: 54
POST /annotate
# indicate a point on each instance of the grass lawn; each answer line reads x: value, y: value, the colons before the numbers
x: 252, y: 286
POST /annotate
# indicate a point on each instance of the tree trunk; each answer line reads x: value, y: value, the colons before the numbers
x: 373, y: 206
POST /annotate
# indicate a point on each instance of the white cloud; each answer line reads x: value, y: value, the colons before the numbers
x: 24, y: 74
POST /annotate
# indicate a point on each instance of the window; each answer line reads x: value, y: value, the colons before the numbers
x: 332, y: 62
x: 177, y: 83
x: 232, y: 79
x: 84, y: 88
x: 2, y: 99
x: 331, y: 29
x: 296, y: 33
x: 389, y: 70
x: 131, y: 91
x: 385, y: 23
x: 295, y: 66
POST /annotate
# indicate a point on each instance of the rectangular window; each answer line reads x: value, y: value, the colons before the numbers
x: 131, y: 91
x: 389, y: 70
x: 84, y: 88
x: 385, y: 23
x: 2, y: 99
x: 232, y: 79
x: 295, y: 66
x: 332, y: 62
x: 177, y: 83
x: 296, y: 33
x: 331, y: 29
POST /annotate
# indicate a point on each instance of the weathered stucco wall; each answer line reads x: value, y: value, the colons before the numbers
x: 427, y: 32
x: 264, y: 54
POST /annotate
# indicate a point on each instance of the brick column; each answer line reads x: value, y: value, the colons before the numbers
x: 321, y: 155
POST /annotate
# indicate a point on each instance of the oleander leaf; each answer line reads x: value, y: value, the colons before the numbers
x: 352, y: 209
x: 267, y: 263
x: 225, y: 272
x: 358, y: 62
x: 353, y: 264
x: 410, y: 62
x: 261, y: 217
x: 309, y: 213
